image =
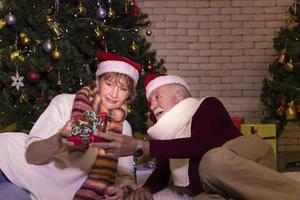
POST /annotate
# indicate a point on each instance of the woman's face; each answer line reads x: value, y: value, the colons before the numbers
x: 113, y: 91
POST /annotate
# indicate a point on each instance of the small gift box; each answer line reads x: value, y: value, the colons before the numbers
x: 85, y: 126
x: 237, y: 121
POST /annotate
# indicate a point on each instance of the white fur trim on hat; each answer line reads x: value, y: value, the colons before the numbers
x: 164, y: 80
x: 119, y: 67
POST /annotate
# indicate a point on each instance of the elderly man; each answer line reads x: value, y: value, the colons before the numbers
x: 197, y: 145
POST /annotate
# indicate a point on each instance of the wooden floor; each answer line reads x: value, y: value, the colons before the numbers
x: 286, y: 157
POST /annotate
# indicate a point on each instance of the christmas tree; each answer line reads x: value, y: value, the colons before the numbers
x: 49, y: 47
x: 281, y: 88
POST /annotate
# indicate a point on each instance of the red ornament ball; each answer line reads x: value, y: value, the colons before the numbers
x: 33, y: 76
x: 149, y: 67
x: 42, y: 97
x: 49, y: 69
x: 102, y: 42
x: 136, y: 11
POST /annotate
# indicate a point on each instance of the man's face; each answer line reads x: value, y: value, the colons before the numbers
x: 162, y: 99
x: 113, y: 92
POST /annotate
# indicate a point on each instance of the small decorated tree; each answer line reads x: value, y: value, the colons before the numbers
x: 281, y: 88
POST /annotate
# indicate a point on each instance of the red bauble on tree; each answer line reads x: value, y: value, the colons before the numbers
x: 33, y: 76
x: 49, y: 69
x: 136, y: 11
x: 102, y: 42
x: 42, y: 97
x: 282, y: 101
x: 149, y: 67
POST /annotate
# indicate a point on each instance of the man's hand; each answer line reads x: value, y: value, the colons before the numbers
x: 139, y: 194
x: 118, y: 145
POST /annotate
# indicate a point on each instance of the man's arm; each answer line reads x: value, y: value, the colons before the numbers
x: 211, y: 126
x: 119, y: 145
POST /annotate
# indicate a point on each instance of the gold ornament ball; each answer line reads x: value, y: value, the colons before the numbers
x: 2, y: 23
x: 148, y: 32
x: 289, y: 19
x: 111, y: 14
x: 25, y: 40
x: 15, y: 54
x: 131, y: 2
x: 282, y: 57
x: 56, y: 54
x: 23, y: 34
x: 134, y: 48
x: 130, y: 110
x: 98, y: 32
x: 289, y: 66
x: 81, y: 9
x: 269, y: 78
x: 291, y: 113
x: 23, y: 98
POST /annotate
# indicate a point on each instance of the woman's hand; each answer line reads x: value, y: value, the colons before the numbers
x: 65, y: 132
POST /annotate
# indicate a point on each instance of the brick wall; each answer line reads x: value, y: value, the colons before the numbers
x: 222, y: 48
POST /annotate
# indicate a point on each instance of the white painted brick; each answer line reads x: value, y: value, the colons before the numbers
x: 210, y: 52
x: 186, y: 39
x: 242, y: 3
x: 231, y: 24
x: 252, y: 10
x: 232, y: 52
x: 242, y: 17
x: 198, y: 32
x: 199, y: 45
x: 219, y: 18
x: 188, y: 11
x: 190, y: 25
x: 220, y: 31
x: 164, y: 11
x: 176, y: 45
x: 242, y: 31
x: 177, y: 18
x: 178, y: 4
x: 198, y: 4
x: 188, y: 52
x: 208, y: 11
x: 176, y: 31
x: 231, y: 10
x: 264, y: 3
x: 198, y: 59
x: 166, y: 25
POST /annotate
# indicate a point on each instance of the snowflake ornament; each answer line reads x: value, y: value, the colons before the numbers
x: 17, y: 81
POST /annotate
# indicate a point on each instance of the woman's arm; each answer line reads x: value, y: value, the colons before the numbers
x: 39, y: 152
x: 45, y: 137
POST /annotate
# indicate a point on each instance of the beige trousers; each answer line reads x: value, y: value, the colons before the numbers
x: 243, y: 169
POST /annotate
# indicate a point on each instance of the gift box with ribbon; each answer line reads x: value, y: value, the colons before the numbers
x: 85, y: 126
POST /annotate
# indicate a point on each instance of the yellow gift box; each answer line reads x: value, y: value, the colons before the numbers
x: 266, y: 131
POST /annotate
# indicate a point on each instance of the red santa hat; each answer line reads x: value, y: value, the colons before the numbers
x: 153, y: 81
x: 109, y: 62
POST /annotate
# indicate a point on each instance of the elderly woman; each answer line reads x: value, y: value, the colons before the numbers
x: 48, y: 165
